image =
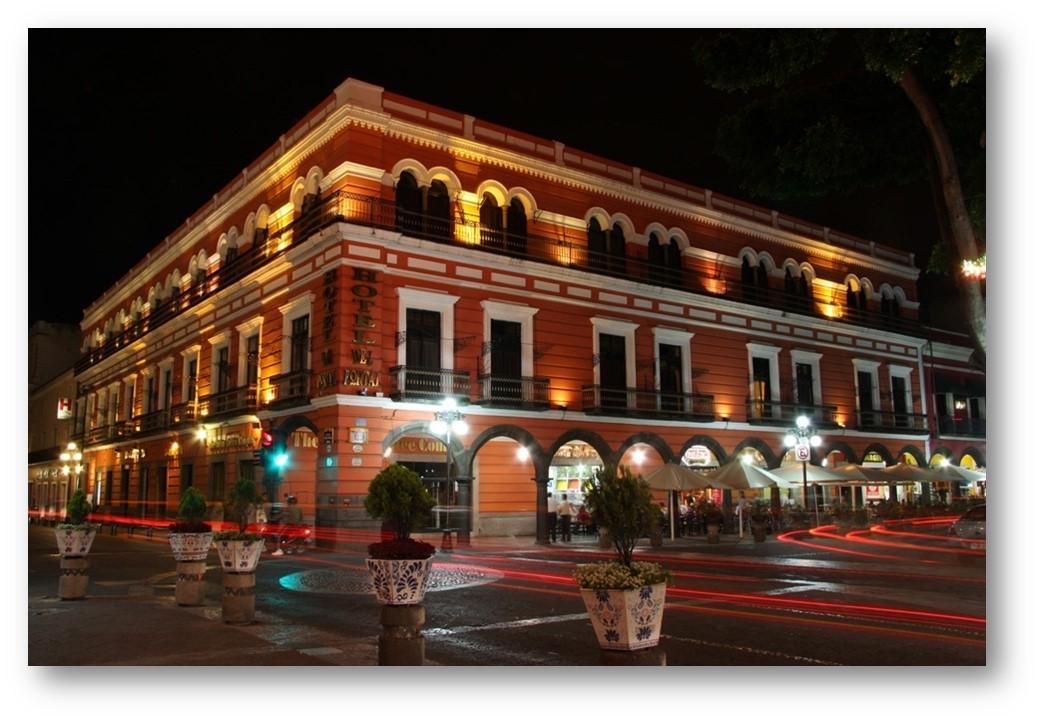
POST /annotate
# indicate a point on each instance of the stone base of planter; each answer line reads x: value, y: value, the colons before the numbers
x: 401, y: 635
x: 189, y: 591
x: 654, y: 657
x: 604, y: 540
x: 626, y: 619
x: 239, y: 597
x: 73, y: 582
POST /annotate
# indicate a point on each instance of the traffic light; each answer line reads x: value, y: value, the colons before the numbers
x: 272, y: 453
x: 264, y: 453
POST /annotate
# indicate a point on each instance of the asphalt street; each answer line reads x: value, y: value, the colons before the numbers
x: 899, y: 596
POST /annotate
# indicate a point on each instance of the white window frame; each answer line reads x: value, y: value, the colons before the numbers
x: 627, y: 330
x: 218, y: 342
x: 114, y: 404
x: 188, y: 355
x: 904, y: 372
x: 444, y: 304
x: 761, y: 350
x: 92, y: 402
x: 871, y: 367
x: 813, y: 359
x: 674, y: 337
x: 129, y: 397
x: 299, y: 306
x: 165, y: 365
x: 517, y: 313
x: 246, y: 331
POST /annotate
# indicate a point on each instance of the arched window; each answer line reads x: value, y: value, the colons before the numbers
x: 673, y: 262
x: 439, y: 211
x: 852, y: 300
x: 748, y: 278
x: 790, y: 283
x: 617, y: 250
x: 862, y: 298
x: 517, y: 227
x: 597, y: 245
x: 761, y: 275
x: 656, y: 260
x: 408, y: 204
x: 491, y: 222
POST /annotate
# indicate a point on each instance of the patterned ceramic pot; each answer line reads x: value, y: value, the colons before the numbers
x: 626, y: 619
x: 239, y: 556
x: 191, y: 547
x: 399, y: 581
x: 75, y: 542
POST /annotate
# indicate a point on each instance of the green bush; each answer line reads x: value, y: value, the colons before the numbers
x: 621, y: 503
x: 78, y: 508
x: 399, y: 498
x: 241, y: 503
x: 760, y: 511
x: 193, y: 506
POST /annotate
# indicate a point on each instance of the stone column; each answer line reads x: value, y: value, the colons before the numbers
x: 72, y: 584
x: 239, y: 597
x: 466, y: 499
x: 401, y: 636
x: 189, y: 591
x: 542, y: 533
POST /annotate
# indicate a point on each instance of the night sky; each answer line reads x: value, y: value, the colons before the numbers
x: 131, y: 132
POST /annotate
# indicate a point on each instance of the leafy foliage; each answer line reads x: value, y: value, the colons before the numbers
x: 760, y: 511
x: 192, y: 508
x: 241, y: 502
x: 621, y: 503
x: 612, y: 575
x: 78, y: 508
x: 710, y: 512
x: 398, y: 497
x: 401, y: 549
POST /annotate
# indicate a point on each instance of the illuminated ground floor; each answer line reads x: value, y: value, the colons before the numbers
x: 501, y: 468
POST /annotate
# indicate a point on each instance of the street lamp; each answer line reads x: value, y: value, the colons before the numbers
x: 801, y: 439
x: 448, y: 421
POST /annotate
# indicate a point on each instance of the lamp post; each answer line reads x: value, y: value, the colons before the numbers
x: 71, y: 453
x: 448, y: 421
x: 801, y: 439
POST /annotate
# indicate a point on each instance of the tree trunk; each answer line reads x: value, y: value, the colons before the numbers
x: 958, y: 218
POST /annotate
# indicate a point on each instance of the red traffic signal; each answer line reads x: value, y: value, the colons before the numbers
x: 267, y: 440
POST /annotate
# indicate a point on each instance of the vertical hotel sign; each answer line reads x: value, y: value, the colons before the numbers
x: 364, y: 294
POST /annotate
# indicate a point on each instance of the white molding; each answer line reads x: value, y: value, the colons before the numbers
x: 296, y: 308
x: 904, y: 372
x: 525, y: 315
x: 871, y: 367
x: 616, y: 327
x: 674, y: 337
x: 195, y: 348
x: 444, y: 304
x: 771, y: 354
x: 814, y: 360
x: 947, y: 351
x: 220, y: 338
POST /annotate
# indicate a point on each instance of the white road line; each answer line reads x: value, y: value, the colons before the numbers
x: 754, y: 650
x: 443, y: 631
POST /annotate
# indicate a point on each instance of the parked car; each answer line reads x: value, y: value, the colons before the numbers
x: 970, y: 528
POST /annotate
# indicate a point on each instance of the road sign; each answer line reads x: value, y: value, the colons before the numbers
x: 802, y: 452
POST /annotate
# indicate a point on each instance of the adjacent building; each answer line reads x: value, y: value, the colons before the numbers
x: 386, y: 255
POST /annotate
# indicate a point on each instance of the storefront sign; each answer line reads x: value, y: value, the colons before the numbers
x: 217, y: 442
x: 304, y: 440
x: 698, y: 456
x: 64, y: 408
x: 419, y: 445
x: 874, y: 492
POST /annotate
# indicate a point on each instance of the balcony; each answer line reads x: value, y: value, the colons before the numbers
x: 103, y: 434
x: 429, y: 385
x: 376, y: 212
x: 523, y: 392
x: 150, y: 422
x: 289, y: 389
x: 950, y: 426
x: 184, y: 413
x: 647, y: 404
x: 241, y: 400
x: 889, y: 421
x: 776, y: 413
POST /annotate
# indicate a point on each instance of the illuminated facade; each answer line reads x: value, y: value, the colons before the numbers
x: 386, y: 254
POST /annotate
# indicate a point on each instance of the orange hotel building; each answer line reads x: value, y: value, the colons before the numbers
x: 386, y: 254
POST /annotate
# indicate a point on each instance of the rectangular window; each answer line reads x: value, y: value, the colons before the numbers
x: 246, y: 467
x: 131, y: 398
x: 613, y: 370
x: 193, y: 374
x: 150, y: 383
x: 422, y: 350
x: 224, y: 370
x: 187, y: 478
x: 298, y: 349
x: 866, y: 397
x: 124, y: 490
x: 506, y: 359
x: 108, y: 487
x: 804, y: 385
x: 671, y: 379
x: 168, y: 377
x: 217, y: 481
x: 252, y: 359
x: 762, y: 392
x: 900, y: 401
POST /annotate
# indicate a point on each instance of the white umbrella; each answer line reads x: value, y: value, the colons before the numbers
x: 793, y: 473
x: 675, y: 477
x: 739, y: 475
x: 951, y: 472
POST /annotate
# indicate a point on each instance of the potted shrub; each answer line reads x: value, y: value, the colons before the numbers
x: 74, y: 538
x: 624, y: 598
x: 399, y: 567
x: 190, y: 539
x: 714, y: 520
x: 759, y: 517
x: 842, y: 517
x: 239, y: 551
x: 861, y: 518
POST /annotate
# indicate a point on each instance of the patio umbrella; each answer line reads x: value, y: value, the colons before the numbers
x: 952, y: 472
x: 793, y: 473
x: 908, y: 473
x: 675, y: 477
x: 738, y: 475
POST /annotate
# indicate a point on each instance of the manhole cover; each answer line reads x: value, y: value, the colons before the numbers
x: 341, y: 581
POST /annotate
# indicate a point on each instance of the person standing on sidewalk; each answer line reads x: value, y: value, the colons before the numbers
x: 551, y: 516
x: 564, y: 512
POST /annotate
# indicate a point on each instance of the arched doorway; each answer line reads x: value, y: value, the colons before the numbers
x: 573, y: 464
x: 425, y: 454
x: 503, y: 471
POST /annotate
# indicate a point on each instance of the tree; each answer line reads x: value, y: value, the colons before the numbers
x: 621, y: 503
x: 832, y: 111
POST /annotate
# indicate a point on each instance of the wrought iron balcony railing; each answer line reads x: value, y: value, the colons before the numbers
x: 377, y: 212
x: 241, y: 400
x: 777, y: 413
x: 289, y: 389
x: 524, y: 392
x: 151, y: 422
x: 184, y: 413
x: 950, y: 426
x: 647, y: 404
x: 873, y: 420
x: 429, y: 385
